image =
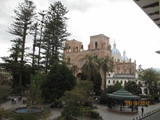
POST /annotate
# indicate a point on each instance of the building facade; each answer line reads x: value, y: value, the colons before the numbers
x: 124, y: 68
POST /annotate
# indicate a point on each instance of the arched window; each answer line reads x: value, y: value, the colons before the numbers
x: 146, y: 91
x: 113, y: 81
x: 96, y: 45
x: 108, y: 81
x: 77, y: 49
x: 68, y: 61
x: 82, y: 47
x: 139, y: 83
x: 125, y: 82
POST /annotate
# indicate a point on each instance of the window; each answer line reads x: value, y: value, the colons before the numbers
x: 68, y: 61
x: 96, y: 45
x: 82, y: 47
x: 108, y: 81
x: 77, y: 49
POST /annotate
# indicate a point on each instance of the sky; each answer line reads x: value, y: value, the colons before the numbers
x: 120, y: 20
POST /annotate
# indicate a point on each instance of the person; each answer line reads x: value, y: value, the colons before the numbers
x: 12, y: 100
x: 142, y: 109
x: 15, y: 100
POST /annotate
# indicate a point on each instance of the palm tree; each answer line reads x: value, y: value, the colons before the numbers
x: 90, y: 67
x: 74, y: 69
x: 107, y: 66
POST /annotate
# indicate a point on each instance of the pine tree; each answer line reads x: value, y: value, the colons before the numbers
x: 23, y: 19
x: 55, y: 33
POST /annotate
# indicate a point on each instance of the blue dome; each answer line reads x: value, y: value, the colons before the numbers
x: 115, y: 51
x: 124, y: 57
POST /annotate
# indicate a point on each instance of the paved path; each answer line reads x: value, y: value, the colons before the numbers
x: 109, y: 115
x: 104, y: 112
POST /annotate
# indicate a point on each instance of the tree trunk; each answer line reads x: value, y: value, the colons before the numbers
x: 104, y: 73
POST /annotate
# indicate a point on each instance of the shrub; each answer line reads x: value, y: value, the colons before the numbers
x: 25, y: 117
x: 94, y: 114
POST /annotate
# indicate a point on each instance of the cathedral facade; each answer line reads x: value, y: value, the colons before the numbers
x: 100, y: 46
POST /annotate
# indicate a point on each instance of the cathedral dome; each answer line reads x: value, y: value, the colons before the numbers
x: 115, y: 53
x: 124, y: 57
x: 115, y: 50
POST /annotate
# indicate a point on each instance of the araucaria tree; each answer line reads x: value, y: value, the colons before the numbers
x: 55, y: 33
x: 23, y: 19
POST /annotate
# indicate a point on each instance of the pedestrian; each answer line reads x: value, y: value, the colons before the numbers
x: 15, y: 100
x: 12, y: 100
x: 142, y: 109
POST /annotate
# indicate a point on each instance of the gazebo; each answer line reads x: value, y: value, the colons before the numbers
x: 125, y: 99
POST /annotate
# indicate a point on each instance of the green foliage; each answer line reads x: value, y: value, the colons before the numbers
x: 39, y: 78
x: 97, y: 81
x: 85, y: 85
x: 132, y: 87
x: 23, y: 19
x: 83, y: 76
x: 55, y: 33
x: 107, y: 65
x: 103, y: 98
x: 5, y: 88
x: 74, y: 102
x: 59, y: 80
x: 113, y: 88
x: 3, y: 113
x: 34, y: 93
x: 151, y: 77
x: 94, y: 114
x: 70, y: 111
x: 90, y: 67
x: 25, y: 116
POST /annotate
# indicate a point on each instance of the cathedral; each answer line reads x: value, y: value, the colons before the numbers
x: 124, y: 68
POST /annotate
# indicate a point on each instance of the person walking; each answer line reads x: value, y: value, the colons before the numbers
x: 142, y: 109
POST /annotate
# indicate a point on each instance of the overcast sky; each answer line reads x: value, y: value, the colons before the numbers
x: 121, y: 20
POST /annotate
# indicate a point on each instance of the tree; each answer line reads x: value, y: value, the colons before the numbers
x: 151, y: 77
x: 3, y: 113
x: 33, y: 54
x: 133, y: 88
x: 74, y: 69
x: 74, y: 102
x: 5, y: 88
x: 39, y: 41
x: 34, y: 94
x: 59, y: 79
x: 90, y: 67
x: 23, y: 19
x: 97, y: 82
x: 103, y: 98
x: 85, y: 85
x: 113, y: 88
x: 55, y: 33
x: 106, y: 65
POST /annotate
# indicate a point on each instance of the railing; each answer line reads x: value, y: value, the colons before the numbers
x: 141, y: 117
